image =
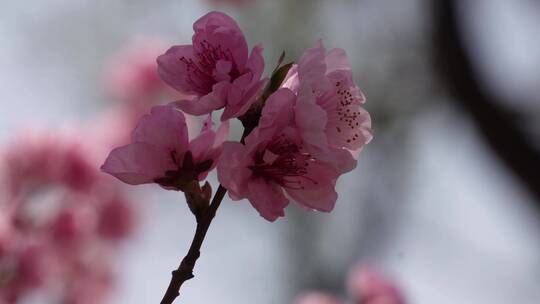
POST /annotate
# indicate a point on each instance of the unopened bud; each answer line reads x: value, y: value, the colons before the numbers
x: 198, y: 198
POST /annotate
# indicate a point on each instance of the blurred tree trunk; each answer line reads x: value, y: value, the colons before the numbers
x: 499, y: 125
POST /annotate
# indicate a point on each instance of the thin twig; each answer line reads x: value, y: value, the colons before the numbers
x: 185, y: 269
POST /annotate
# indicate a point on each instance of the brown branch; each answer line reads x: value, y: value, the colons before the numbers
x: 185, y: 270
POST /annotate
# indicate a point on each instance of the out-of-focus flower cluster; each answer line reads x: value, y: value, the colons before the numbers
x: 365, y: 285
x: 306, y: 123
x: 61, y: 220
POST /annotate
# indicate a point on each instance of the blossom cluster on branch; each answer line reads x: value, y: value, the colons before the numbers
x: 305, y: 124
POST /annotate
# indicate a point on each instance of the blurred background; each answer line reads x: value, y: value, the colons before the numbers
x: 445, y: 199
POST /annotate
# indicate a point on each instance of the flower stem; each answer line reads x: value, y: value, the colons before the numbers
x: 185, y: 269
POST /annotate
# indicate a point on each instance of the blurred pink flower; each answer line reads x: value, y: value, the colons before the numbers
x: 52, y: 202
x: 38, y: 159
x: 275, y: 160
x: 317, y: 298
x: 92, y: 284
x: 364, y: 285
x: 326, y: 90
x: 158, y: 149
x: 370, y: 287
x: 132, y: 77
x: 6, y: 231
x: 24, y: 268
x: 116, y: 219
x: 215, y: 70
x: 70, y: 226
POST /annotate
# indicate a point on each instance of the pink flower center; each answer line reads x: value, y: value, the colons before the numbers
x: 285, y: 163
x: 201, y: 70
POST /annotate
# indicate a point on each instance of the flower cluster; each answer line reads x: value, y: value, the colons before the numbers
x: 305, y: 125
x: 60, y: 222
x: 364, y: 286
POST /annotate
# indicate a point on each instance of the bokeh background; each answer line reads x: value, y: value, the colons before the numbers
x: 445, y: 199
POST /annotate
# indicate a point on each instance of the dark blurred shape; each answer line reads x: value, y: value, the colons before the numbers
x: 499, y: 125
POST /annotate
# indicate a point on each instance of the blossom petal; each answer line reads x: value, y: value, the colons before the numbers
x: 316, y: 189
x: 336, y: 59
x: 312, y: 68
x: 311, y: 119
x: 342, y: 160
x: 276, y: 115
x: 176, y: 72
x: 165, y: 127
x: 222, y: 32
x: 291, y: 80
x: 208, y: 143
x: 240, y: 104
x: 351, y: 137
x: 222, y: 133
x: 223, y: 68
x: 233, y: 172
x: 138, y: 163
x: 200, y: 146
x: 255, y: 62
x: 205, y: 104
x: 267, y: 198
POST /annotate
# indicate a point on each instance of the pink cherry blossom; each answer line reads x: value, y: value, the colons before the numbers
x: 276, y: 161
x: 158, y: 148
x: 330, y: 99
x: 370, y: 287
x: 317, y: 298
x: 215, y: 70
